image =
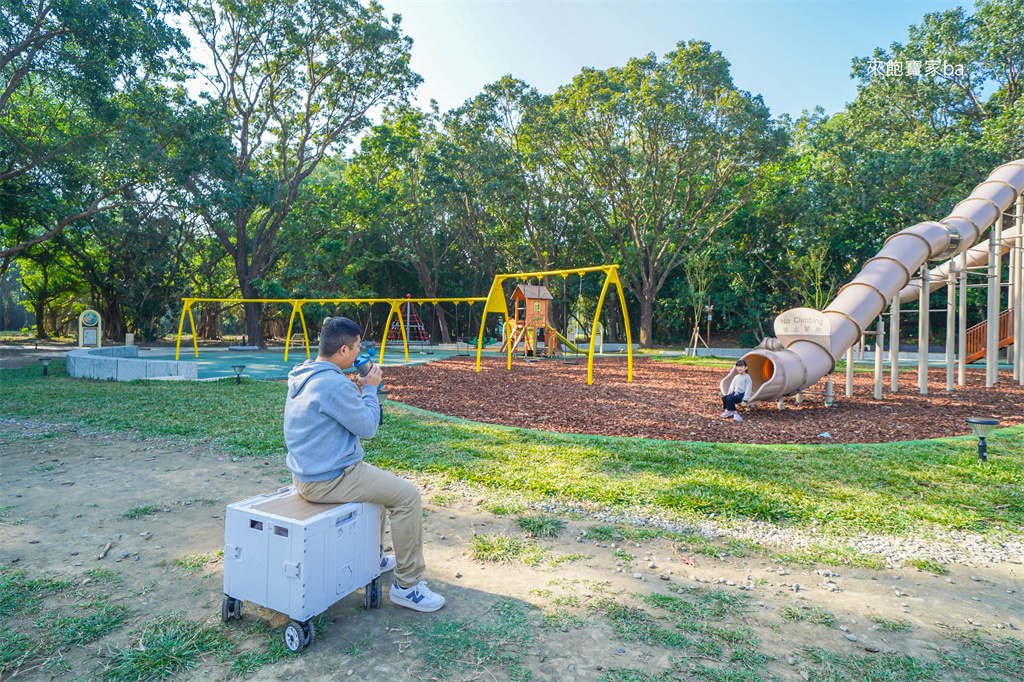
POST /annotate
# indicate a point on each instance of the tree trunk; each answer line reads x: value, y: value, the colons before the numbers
x: 646, y: 320
x: 210, y: 321
x: 442, y: 324
x: 57, y: 323
x: 39, y: 307
x: 611, y: 306
x: 114, y: 326
x: 253, y: 311
x: 253, y: 324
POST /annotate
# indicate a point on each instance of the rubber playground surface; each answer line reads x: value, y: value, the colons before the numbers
x: 670, y: 401
x: 271, y: 365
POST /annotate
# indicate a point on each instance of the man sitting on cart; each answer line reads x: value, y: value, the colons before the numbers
x: 325, y: 415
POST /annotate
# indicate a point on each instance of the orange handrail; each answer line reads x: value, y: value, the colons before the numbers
x: 977, y: 336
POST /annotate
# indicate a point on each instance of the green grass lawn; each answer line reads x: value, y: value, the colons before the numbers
x: 898, y: 488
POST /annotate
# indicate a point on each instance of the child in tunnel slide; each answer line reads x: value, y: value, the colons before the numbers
x: 738, y: 393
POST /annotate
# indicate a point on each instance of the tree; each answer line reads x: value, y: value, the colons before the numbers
x: 83, y: 109
x: 512, y: 137
x: 211, y: 275
x: 399, y: 165
x: 467, y: 172
x: 293, y: 79
x: 663, y: 153
x: 699, y: 273
x: 45, y: 277
x: 932, y: 117
x: 322, y: 235
x: 134, y: 259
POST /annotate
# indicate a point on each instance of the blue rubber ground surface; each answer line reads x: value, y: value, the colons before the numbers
x: 271, y: 364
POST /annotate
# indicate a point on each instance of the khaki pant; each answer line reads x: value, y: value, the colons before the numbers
x: 364, y: 482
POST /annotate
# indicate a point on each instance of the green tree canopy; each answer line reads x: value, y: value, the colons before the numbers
x: 293, y: 79
x: 663, y: 153
x: 85, y: 111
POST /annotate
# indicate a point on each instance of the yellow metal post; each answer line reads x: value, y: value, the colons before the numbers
x: 297, y: 307
x: 495, y: 304
x: 401, y: 325
x: 288, y: 335
x: 195, y: 339
x: 625, y: 318
x: 396, y: 307
x: 384, y: 339
x: 593, y: 333
x: 181, y: 324
x: 305, y: 333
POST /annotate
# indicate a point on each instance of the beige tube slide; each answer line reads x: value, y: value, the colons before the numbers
x: 809, y: 342
x: 977, y: 256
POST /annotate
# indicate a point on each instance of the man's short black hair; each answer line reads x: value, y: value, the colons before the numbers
x: 338, y: 332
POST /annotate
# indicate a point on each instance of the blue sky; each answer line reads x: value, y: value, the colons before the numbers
x: 796, y: 54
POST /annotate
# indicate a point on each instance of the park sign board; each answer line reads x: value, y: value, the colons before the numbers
x: 90, y: 329
x: 802, y: 323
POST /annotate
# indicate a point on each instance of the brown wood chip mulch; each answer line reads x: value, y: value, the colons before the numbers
x: 678, y: 402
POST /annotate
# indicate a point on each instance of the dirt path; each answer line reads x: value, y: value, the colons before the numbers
x: 573, y: 616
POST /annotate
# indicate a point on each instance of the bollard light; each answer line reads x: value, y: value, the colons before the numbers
x: 238, y: 372
x: 983, y: 427
x: 46, y: 364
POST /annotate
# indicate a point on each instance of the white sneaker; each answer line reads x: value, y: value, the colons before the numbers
x: 387, y: 563
x: 737, y: 418
x: 418, y: 597
x: 727, y: 414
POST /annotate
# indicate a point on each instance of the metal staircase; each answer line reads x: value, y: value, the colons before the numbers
x: 977, y: 336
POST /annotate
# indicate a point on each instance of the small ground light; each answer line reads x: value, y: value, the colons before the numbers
x: 46, y: 364
x: 238, y: 372
x: 983, y: 427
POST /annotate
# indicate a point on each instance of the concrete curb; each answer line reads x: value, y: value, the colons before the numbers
x: 122, y: 363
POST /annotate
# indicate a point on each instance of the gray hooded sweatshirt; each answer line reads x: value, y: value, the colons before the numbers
x: 324, y: 417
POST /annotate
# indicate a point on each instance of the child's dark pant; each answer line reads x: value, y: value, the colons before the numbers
x: 730, y: 401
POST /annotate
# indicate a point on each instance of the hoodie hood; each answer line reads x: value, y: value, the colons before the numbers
x: 301, y: 374
x: 325, y: 415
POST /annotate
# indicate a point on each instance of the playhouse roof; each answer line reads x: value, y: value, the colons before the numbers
x: 526, y: 291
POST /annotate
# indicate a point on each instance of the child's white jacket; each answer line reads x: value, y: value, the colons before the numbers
x: 741, y: 383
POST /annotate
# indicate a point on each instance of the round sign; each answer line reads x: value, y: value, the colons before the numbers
x: 90, y: 319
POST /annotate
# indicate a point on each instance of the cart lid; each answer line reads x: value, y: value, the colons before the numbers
x: 295, y: 507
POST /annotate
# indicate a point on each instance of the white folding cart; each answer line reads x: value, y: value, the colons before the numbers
x: 299, y: 558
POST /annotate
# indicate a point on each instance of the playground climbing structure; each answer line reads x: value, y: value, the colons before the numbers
x: 808, y: 342
x: 414, y: 331
x: 535, y: 332
x: 496, y: 303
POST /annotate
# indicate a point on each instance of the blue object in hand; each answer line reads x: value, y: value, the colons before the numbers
x: 364, y: 363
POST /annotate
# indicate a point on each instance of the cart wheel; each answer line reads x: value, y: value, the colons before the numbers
x: 372, y: 599
x: 294, y: 637
x: 227, y: 606
x: 237, y: 610
x: 307, y: 630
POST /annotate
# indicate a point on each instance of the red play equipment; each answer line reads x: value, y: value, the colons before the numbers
x: 414, y: 328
